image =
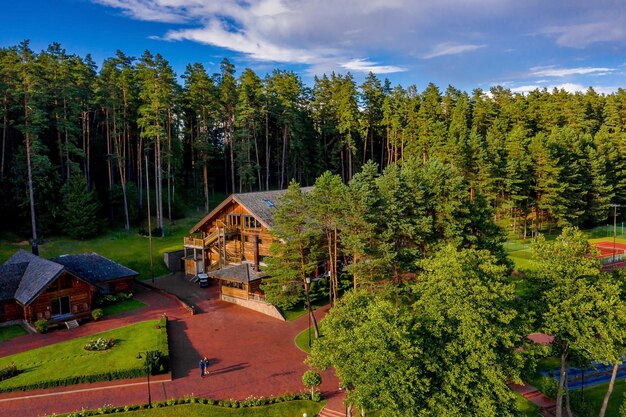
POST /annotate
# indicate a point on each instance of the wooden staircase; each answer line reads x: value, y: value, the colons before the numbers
x: 327, y: 412
x: 72, y: 324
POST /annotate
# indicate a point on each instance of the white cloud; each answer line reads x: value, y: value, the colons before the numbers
x: 569, y: 87
x: 451, y: 48
x: 585, y: 34
x: 355, y: 35
x: 363, y: 65
x: 564, y: 72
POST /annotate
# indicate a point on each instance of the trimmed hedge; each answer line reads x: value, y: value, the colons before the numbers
x: 163, y: 347
x: 249, y: 402
x: 87, y: 379
x: 160, y: 366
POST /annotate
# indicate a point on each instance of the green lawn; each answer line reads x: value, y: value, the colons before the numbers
x: 122, y: 307
x: 302, y: 339
x: 128, y: 248
x: 10, y: 332
x: 595, y: 395
x: 298, y: 310
x: 286, y: 409
x: 527, y: 408
x: 69, y: 359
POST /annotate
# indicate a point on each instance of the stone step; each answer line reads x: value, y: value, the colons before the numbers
x: 72, y: 324
x: 326, y: 412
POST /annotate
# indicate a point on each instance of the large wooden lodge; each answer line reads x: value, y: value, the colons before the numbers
x: 230, y: 242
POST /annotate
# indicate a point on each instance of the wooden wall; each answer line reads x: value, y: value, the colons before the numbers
x: 243, y: 241
x: 81, y: 298
x: 11, y: 310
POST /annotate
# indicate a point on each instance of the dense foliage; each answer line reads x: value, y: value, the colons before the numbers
x: 548, y: 157
x: 444, y: 345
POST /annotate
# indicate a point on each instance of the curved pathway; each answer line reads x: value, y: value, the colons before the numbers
x: 250, y: 355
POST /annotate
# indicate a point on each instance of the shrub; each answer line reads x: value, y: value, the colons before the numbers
x: 41, y: 325
x: 311, y: 379
x: 97, y: 314
x: 8, y: 372
x: 99, y: 344
x: 109, y: 299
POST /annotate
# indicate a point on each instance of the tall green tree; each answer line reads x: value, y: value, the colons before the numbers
x: 575, y: 304
x: 81, y: 214
x: 294, y: 254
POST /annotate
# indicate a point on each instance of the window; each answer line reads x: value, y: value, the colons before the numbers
x: 250, y: 222
x: 234, y: 220
x: 62, y: 283
x: 60, y: 306
x: 269, y: 203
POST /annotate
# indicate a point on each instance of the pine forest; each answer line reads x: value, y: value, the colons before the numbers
x: 83, y: 137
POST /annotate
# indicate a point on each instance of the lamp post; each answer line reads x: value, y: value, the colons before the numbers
x: 148, y: 371
x: 308, y: 304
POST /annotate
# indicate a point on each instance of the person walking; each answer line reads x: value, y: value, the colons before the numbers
x: 202, y: 367
x: 206, y: 365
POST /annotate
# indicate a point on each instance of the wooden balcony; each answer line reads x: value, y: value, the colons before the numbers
x: 193, y: 242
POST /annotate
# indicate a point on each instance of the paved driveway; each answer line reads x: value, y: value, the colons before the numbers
x: 250, y: 355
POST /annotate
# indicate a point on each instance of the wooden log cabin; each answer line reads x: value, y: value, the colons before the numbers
x: 57, y: 290
x: 230, y: 242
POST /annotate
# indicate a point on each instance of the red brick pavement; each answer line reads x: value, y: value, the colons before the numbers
x: 250, y: 355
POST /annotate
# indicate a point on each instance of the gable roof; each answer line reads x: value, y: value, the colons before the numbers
x: 94, y: 268
x: 10, y: 277
x: 261, y: 204
x: 243, y: 272
x: 24, y: 276
x: 39, y: 273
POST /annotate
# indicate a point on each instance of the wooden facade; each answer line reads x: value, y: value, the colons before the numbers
x: 66, y: 297
x: 58, y: 290
x: 10, y: 310
x: 231, y: 235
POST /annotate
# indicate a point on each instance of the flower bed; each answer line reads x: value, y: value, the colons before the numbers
x: 99, y: 344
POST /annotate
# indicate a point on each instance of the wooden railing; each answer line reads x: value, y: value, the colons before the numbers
x: 193, y: 242
x: 235, y: 292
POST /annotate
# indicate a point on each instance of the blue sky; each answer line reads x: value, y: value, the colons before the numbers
x: 522, y: 45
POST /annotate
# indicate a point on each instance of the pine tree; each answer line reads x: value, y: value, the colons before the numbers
x: 82, y: 209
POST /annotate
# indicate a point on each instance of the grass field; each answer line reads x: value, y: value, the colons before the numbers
x: 122, y: 307
x: 519, y: 251
x: 10, y: 332
x: 286, y: 409
x: 298, y: 310
x: 527, y: 408
x: 128, y: 248
x: 69, y: 359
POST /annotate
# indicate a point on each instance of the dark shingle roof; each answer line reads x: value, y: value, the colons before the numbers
x: 10, y: 277
x: 240, y: 273
x: 38, y: 275
x: 261, y: 204
x: 94, y: 268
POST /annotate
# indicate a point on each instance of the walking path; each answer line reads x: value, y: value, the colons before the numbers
x: 250, y: 355
x: 547, y: 406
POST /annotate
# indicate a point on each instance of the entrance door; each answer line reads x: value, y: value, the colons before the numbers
x: 61, y: 306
